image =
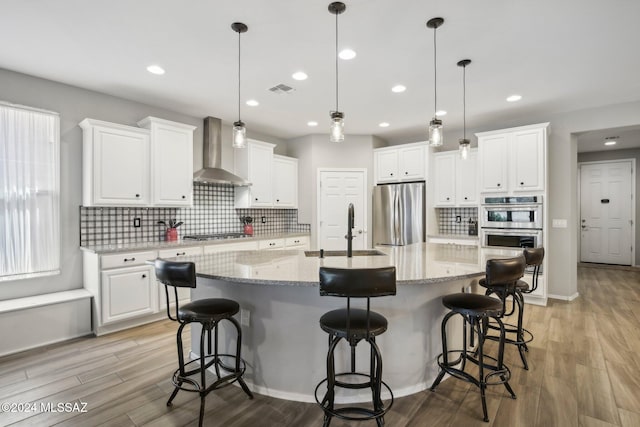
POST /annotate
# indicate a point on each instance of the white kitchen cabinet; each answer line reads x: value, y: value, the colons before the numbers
x: 271, y: 244
x: 455, y: 179
x: 255, y: 164
x: 405, y: 162
x: 285, y: 182
x: 444, y: 179
x: 171, y: 155
x: 513, y: 160
x: 300, y: 242
x: 115, y: 164
x: 127, y: 292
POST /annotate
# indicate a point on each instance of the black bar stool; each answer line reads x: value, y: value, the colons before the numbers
x: 516, y: 334
x: 476, y: 310
x: 208, y: 312
x: 354, y: 325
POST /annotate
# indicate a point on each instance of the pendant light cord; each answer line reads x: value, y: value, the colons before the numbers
x: 435, y: 74
x: 239, y: 119
x: 464, y: 102
x: 337, y: 109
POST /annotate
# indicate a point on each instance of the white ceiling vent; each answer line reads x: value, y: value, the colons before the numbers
x: 281, y: 88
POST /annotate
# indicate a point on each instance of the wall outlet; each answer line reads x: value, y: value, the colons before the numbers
x: 458, y: 219
x: 559, y: 223
x: 136, y: 222
x: 245, y: 317
x: 263, y: 219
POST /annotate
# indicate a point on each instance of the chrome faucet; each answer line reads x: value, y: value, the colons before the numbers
x: 350, y: 225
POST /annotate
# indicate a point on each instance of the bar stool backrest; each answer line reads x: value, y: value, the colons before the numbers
x: 533, y: 258
x: 505, y: 272
x: 177, y: 275
x: 357, y: 282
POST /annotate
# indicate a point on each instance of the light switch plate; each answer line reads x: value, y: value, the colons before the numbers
x: 559, y: 223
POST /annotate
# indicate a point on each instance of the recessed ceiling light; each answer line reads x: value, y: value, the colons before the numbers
x: 514, y: 98
x: 252, y: 103
x: 155, y: 69
x: 611, y: 143
x: 384, y: 125
x: 398, y: 88
x: 299, y: 75
x: 347, y: 54
x: 441, y: 113
x: 312, y: 123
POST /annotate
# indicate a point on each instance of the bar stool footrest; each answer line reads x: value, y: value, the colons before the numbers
x: 354, y: 413
x: 195, y: 386
x: 504, y: 374
x: 509, y: 328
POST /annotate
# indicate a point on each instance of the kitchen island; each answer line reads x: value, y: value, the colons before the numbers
x: 283, y: 345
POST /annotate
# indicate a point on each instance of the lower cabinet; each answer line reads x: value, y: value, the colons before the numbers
x: 128, y: 292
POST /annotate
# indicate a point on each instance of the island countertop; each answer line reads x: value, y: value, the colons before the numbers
x: 420, y: 263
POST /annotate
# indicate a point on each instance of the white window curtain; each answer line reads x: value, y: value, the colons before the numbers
x: 29, y: 192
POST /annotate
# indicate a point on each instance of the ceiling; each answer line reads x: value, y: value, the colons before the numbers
x: 559, y: 55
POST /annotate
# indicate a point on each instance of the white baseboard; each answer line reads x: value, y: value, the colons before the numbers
x: 564, y: 297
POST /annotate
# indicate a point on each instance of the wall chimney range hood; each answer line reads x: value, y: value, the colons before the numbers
x: 212, y: 173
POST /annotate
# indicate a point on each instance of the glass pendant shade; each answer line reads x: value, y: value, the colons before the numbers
x: 464, y: 147
x: 337, y: 127
x: 436, y: 138
x: 239, y: 135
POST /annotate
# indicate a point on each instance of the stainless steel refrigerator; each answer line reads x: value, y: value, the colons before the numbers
x: 398, y: 214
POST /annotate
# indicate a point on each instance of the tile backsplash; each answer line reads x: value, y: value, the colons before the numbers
x: 447, y: 218
x: 212, y: 212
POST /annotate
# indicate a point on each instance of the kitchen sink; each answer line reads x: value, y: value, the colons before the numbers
x: 357, y: 252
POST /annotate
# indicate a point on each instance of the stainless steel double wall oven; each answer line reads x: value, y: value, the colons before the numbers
x: 512, y: 222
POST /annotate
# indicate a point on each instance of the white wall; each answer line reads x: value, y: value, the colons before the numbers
x: 74, y: 104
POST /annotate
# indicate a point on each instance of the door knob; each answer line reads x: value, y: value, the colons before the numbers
x: 359, y: 231
x: 584, y: 226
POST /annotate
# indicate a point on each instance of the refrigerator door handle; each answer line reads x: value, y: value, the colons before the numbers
x: 397, y: 218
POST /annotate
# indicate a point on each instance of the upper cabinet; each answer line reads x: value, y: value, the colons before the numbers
x: 285, y: 182
x: 129, y: 166
x: 255, y: 164
x: 405, y: 162
x: 455, y: 179
x: 513, y: 160
x: 171, y: 161
x: 115, y: 164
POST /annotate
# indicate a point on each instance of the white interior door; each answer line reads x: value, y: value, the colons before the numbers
x: 338, y: 188
x: 606, y: 212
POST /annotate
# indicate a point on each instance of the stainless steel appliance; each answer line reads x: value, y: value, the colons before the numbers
x: 512, y: 212
x: 398, y: 214
x: 512, y: 222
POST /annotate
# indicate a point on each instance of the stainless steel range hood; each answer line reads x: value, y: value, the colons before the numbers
x: 212, y: 173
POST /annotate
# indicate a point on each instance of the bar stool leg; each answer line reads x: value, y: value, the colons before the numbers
x: 522, y: 346
x: 501, y: 355
x: 328, y: 400
x: 203, y: 372
x: 238, y: 356
x: 482, y: 327
x: 180, y: 363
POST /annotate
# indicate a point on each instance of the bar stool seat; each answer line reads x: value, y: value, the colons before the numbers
x: 472, y: 304
x: 208, y: 310
x: 353, y: 324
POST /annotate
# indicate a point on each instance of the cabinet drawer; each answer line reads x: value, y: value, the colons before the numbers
x: 271, y: 244
x: 180, y: 252
x: 128, y: 259
x: 296, y: 241
x: 227, y: 247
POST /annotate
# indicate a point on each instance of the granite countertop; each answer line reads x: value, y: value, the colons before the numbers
x: 416, y: 264
x: 150, y: 246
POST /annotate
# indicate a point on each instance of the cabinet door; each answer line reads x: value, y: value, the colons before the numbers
x: 467, y: 179
x: 493, y: 163
x: 285, y: 182
x: 120, y: 167
x: 411, y: 162
x: 527, y: 157
x: 386, y: 165
x: 127, y: 292
x: 444, y: 179
x: 172, y: 163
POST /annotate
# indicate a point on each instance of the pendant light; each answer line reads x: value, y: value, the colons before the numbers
x: 336, y: 133
x: 436, y: 138
x: 464, y: 143
x: 239, y: 131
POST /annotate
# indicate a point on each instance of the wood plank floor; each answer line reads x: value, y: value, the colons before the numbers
x: 584, y: 372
